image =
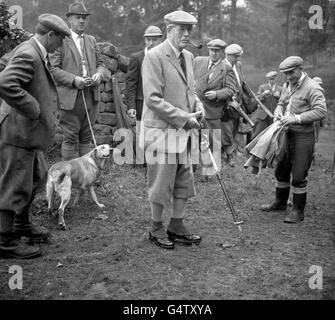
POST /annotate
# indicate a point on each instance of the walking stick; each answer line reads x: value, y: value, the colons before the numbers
x: 237, y: 222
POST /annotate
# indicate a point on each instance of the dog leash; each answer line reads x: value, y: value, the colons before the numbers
x: 88, y: 118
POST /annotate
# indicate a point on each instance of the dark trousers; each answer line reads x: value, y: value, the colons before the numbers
x: 297, y: 160
x: 23, y: 174
x: 74, y: 123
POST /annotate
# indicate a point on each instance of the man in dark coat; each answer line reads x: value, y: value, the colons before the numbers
x: 269, y: 94
x: 134, y: 87
x: 27, y: 128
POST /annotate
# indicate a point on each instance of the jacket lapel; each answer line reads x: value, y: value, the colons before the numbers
x: 74, y: 49
x: 217, y: 71
x: 173, y: 60
x: 36, y: 47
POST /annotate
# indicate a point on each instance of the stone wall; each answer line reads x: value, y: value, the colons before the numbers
x: 116, y: 64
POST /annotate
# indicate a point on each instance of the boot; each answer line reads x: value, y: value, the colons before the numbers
x: 297, y: 213
x: 10, y: 247
x: 280, y: 202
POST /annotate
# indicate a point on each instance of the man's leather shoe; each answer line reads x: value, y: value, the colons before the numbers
x: 161, y: 242
x: 188, y: 239
x: 34, y: 233
x: 230, y: 161
x: 19, y: 250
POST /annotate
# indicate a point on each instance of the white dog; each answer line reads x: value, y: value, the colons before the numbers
x: 79, y: 173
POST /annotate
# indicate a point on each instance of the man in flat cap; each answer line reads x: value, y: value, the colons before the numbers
x: 301, y: 103
x: 134, y: 88
x: 27, y: 128
x: 171, y: 110
x: 269, y: 94
x: 78, y: 71
x: 231, y: 118
x: 215, y: 85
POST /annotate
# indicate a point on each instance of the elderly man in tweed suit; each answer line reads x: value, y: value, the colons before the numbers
x: 171, y: 109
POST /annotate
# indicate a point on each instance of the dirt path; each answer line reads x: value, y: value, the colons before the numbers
x: 113, y: 259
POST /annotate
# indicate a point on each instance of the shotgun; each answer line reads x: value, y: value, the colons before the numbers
x: 235, y: 105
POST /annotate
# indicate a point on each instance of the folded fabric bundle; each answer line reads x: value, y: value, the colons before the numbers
x: 267, y: 148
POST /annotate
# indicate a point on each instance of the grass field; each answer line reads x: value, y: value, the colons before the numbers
x: 109, y: 256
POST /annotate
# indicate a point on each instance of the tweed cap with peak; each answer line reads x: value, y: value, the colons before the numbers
x: 153, y: 31
x: 234, y: 49
x: 318, y: 80
x: 54, y: 23
x: 271, y: 74
x: 180, y: 17
x: 77, y: 8
x: 290, y: 63
x: 217, y: 44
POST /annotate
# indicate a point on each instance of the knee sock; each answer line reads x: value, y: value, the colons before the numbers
x: 176, y: 225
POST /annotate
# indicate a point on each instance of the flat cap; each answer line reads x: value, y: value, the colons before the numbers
x: 318, y: 80
x: 180, y: 17
x: 234, y: 49
x: 290, y: 63
x: 217, y: 44
x: 271, y: 74
x: 153, y: 31
x: 54, y: 23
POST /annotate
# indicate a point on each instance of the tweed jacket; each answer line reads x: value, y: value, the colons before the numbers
x: 30, y: 101
x: 66, y: 65
x: 169, y: 100
x: 222, y: 81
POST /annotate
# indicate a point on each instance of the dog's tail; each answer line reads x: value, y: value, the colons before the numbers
x: 55, y: 177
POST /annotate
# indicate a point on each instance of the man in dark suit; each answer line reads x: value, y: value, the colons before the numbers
x: 171, y: 110
x: 269, y: 94
x: 134, y: 87
x: 77, y: 69
x: 215, y: 85
x: 27, y: 128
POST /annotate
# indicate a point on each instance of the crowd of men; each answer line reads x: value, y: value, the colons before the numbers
x: 167, y: 89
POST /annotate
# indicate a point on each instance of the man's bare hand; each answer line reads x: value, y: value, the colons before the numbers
x: 287, y: 120
x: 211, y: 95
x: 96, y: 79
x: 79, y: 83
x: 192, y: 123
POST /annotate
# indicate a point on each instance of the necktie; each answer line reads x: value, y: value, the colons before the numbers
x: 211, y: 65
x: 82, y: 55
x: 182, y: 63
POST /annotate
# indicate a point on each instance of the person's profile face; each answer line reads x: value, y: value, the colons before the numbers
x: 55, y: 40
x: 293, y: 76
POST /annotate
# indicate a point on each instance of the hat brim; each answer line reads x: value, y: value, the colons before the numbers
x: 289, y: 69
x: 153, y: 35
x: 215, y: 48
x: 77, y: 13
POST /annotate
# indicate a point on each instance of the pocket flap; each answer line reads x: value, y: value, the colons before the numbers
x: 151, y: 123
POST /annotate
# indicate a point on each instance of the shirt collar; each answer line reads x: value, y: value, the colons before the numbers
x: 44, y: 51
x: 145, y: 50
x: 75, y: 35
x: 175, y: 50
